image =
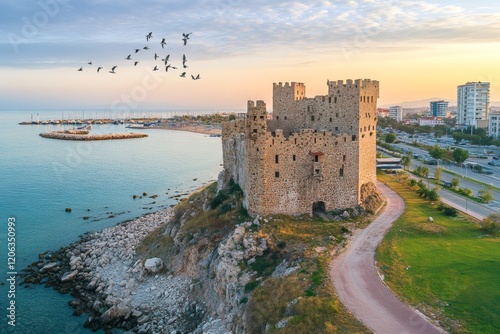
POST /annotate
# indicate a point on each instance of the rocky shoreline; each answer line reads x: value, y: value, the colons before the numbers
x: 199, y: 291
x: 114, y: 288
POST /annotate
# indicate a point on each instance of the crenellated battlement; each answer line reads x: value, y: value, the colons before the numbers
x: 358, y: 83
x: 288, y: 84
x: 312, y: 150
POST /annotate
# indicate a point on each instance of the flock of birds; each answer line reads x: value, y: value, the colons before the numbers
x: 166, y: 60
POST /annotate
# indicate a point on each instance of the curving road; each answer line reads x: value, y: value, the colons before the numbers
x: 361, y: 290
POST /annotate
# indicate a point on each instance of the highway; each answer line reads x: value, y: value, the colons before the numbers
x: 462, y: 203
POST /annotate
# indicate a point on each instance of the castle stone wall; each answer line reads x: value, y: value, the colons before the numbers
x: 314, y: 151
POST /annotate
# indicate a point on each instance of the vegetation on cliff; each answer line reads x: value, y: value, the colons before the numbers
x: 282, y: 287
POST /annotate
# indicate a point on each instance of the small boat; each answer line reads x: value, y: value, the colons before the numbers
x: 135, y: 126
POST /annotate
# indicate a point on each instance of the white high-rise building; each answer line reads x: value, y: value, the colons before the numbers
x: 396, y: 113
x: 494, y: 125
x: 473, y: 102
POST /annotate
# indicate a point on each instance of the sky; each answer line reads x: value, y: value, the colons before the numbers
x: 416, y: 49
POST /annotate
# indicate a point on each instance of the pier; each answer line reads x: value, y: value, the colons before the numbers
x: 75, y: 136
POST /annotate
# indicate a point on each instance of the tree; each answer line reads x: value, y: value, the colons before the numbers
x: 437, y: 173
x: 485, y: 195
x: 465, y: 191
x: 422, y: 171
x: 460, y: 155
x: 406, y: 160
x: 455, y: 182
x: 491, y: 224
x: 436, y: 152
x: 390, y: 138
x: 433, y: 194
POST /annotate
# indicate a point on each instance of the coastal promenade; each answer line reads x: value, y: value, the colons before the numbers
x: 360, y: 287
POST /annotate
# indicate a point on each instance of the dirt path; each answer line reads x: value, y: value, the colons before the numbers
x: 361, y: 290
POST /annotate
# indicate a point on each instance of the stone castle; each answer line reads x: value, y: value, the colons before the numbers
x: 312, y: 154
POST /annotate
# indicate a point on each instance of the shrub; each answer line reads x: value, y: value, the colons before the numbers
x: 250, y: 286
x: 412, y: 182
x: 491, y: 225
x: 451, y: 212
x: 465, y: 191
x: 432, y: 195
x: 217, y: 200
x: 281, y: 245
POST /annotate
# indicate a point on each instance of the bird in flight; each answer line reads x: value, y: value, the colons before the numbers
x: 113, y: 70
x: 184, y: 61
x: 135, y: 63
x: 99, y: 68
x: 90, y: 63
x: 183, y: 75
x: 166, y: 59
x: 128, y: 57
x: 155, y: 69
x: 170, y: 66
x: 80, y: 69
x: 186, y: 36
x: 146, y: 48
x: 148, y: 36
x: 163, y: 43
x: 195, y: 78
x: 137, y: 50
x: 185, y: 40
x: 156, y: 56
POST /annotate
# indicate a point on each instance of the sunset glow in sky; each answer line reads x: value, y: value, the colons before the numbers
x: 416, y: 49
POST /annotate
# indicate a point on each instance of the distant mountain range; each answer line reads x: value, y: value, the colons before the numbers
x: 426, y: 102
x: 420, y: 103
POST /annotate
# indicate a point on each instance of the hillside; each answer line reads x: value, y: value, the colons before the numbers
x: 215, y: 270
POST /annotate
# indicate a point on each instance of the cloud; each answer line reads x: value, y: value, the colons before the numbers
x: 230, y: 28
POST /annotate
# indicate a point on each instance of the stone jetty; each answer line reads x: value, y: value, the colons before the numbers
x: 81, y: 136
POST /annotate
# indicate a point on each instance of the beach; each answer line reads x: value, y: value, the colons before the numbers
x: 195, y: 128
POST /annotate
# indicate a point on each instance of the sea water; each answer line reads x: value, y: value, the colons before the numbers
x: 40, y: 178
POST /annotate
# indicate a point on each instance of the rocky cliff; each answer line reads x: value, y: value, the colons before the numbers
x: 204, y: 267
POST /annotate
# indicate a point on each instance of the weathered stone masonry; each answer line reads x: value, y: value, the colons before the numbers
x: 313, y: 152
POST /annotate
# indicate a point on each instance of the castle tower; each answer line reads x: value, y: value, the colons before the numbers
x: 284, y: 96
x: 257, y: 118
x: 314, y: 154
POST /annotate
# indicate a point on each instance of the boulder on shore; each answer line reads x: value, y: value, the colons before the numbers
x: 68, y: 276
x: 154, y: 265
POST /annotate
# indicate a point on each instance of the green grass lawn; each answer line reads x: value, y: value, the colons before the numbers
x: 448, y: 268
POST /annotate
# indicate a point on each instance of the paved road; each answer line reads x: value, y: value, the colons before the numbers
x: 359, y: 287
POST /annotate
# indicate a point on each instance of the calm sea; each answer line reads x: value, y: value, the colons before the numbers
x: 40, y: 177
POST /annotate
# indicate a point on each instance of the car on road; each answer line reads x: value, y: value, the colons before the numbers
x: 494, y: 163
x: 447, y: 184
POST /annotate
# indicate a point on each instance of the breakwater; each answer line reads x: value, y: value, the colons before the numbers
x: 75, y: 136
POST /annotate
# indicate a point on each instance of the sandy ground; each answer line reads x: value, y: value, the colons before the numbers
x: 203, y: 129
x: 359, y: 286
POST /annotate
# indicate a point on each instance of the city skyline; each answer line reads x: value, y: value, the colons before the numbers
x: 416, y: 49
